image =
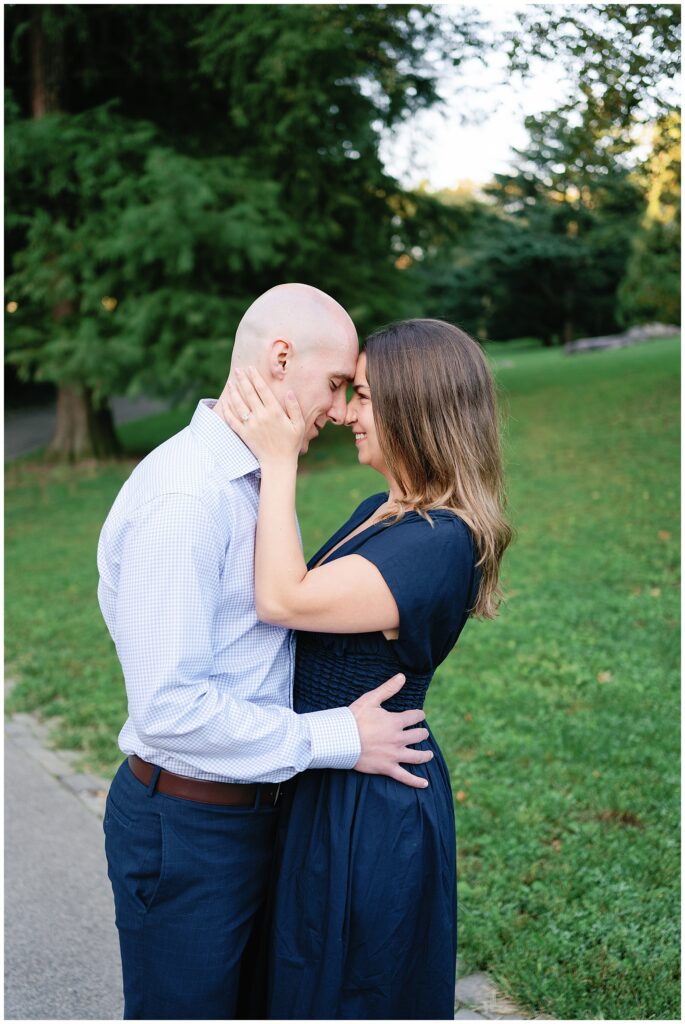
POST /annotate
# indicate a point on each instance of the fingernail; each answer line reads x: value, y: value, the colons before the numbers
x: 239, y: 373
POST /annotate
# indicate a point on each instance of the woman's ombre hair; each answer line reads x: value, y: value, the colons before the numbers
x: 435, y: 410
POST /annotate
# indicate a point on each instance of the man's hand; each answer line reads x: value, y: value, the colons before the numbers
x: 383, y: 737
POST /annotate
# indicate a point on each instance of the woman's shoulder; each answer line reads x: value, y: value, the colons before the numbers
x: 443, y: 545
x: 442, y: 522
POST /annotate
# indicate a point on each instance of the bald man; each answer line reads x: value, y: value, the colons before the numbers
x: 211, y: 734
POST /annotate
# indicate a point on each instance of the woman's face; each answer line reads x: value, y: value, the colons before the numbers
x: 360, y: 418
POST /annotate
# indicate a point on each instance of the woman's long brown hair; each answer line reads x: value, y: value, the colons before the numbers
x: 435, y: 410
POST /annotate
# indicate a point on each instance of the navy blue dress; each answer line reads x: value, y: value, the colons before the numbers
x: 362, y: 916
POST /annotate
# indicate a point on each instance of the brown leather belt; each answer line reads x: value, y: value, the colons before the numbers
x: 204, y: 791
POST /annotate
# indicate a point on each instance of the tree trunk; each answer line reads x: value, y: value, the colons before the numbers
x: 47, y: 68
x: 81, y: 430
x: 568, y: 332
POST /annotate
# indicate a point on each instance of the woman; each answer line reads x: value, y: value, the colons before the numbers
x: 362, y: 921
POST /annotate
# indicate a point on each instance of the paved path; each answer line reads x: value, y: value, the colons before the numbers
x: 29, y: 429
x: 61, y: 946
x: 478, y: 999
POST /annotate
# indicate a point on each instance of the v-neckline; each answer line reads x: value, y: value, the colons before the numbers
x: 322, y: 554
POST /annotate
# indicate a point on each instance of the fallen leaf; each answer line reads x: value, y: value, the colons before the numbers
x: 664, y: 535
x: 604, y: 677
x: 621, y: 818
x: 468, y: 717
x: 556, y: 844
x: 461, y: 795
x: 655, y: 591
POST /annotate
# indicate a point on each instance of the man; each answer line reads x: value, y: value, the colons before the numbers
x: 211, y: 734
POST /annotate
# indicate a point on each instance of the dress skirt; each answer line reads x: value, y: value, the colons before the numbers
x: 363, y: 914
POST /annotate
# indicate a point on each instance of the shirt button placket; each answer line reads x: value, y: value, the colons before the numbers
x: 291, y: 651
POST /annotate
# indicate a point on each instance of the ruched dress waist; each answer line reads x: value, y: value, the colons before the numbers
x: 330, y: 672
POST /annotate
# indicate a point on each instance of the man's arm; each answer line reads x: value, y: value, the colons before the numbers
x: 168, y: 594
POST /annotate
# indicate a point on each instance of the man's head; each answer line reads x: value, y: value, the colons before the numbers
x: 300, y: 340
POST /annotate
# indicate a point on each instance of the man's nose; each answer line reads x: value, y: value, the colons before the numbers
x: 336, y: 413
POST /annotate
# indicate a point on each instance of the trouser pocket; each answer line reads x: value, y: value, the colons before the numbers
x: 136, y: 861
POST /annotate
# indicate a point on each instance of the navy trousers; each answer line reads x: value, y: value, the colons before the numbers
x: 189, y: 882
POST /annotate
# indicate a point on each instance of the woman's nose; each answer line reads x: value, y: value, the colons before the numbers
x: 350, y: 413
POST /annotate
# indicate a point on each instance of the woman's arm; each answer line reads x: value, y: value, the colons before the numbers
x: 349, y: 595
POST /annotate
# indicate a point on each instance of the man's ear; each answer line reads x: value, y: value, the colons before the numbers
x: 279, y: 358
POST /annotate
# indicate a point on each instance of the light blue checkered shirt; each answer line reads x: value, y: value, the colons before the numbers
x: 209, y: 686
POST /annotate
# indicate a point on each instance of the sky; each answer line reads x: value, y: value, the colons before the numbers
x: 437, y: 147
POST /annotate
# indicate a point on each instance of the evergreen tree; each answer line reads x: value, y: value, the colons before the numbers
x: 576, y: 208
x: 651, y: 288
x: 543, y: 254
x: 194, y: 156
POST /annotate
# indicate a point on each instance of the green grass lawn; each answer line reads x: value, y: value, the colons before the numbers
x: 559, y: 720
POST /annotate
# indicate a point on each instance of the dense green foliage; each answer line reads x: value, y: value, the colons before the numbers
x: 238, y: 150
x: 558, y: 720
x: 582, y: 237
x: 650, y: 289
x: 626, y: 56
x: 139, y: 242
x: 166, y: 164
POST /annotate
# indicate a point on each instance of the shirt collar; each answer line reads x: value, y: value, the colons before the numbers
x: 232, y: 454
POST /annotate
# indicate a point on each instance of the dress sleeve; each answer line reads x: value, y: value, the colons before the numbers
x: 429, y: 570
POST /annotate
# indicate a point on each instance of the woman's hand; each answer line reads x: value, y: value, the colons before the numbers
x: 251, y: 409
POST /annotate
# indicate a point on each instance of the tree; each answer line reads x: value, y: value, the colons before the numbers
x: 622, y: 62
x: 573, y: 194
x: 454, y: 273
x: 546, y: 252
x: 309, y: 91
x: 77, y: 416
x: 133, y: 241
x: 543, y: 253
x: 626, y: 55
x: 201, y: 155
x: 651, y: 287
